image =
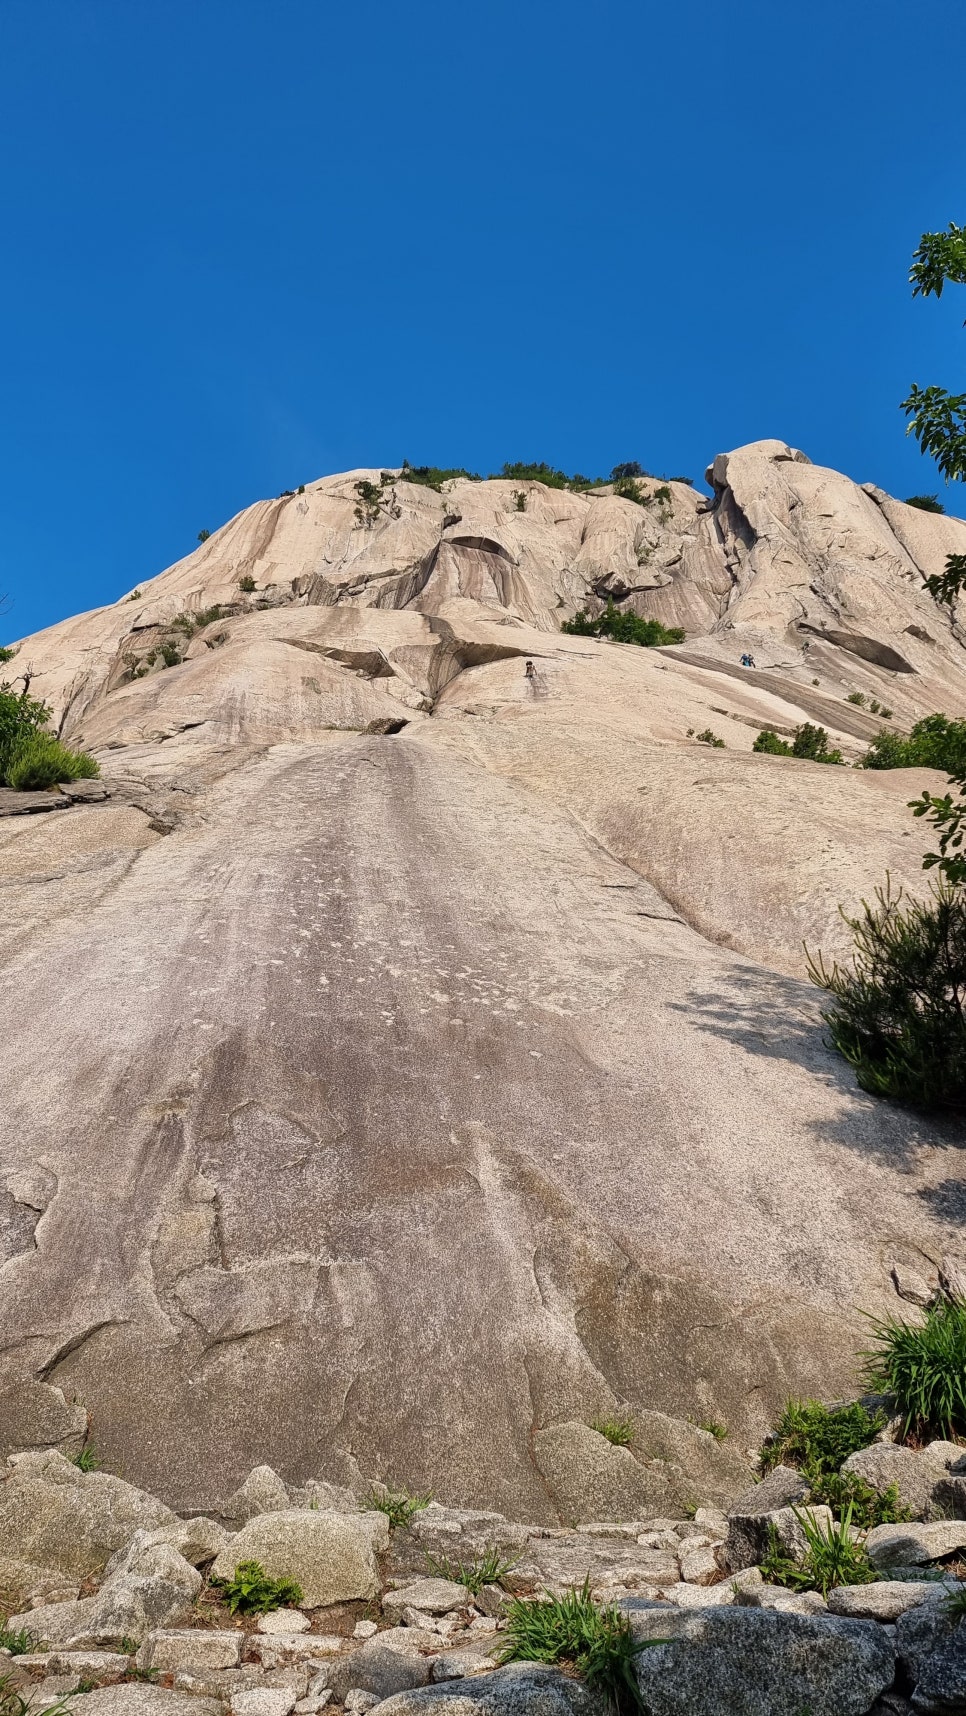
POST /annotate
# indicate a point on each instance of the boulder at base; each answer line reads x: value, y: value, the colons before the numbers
x: 332, y: 1556
x: 754, y: 1662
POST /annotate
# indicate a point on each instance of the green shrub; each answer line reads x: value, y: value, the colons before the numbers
x: 619, y: 1431
x: 434, y: 476
x: 552, y: 479
x: 712, y: 1425
x: 623, y: 628
x: 899, y: 1012
x: 250, y: 1591
x: 926, y: 503
x: 399, y: 1507
x: 135, y: 596
x: 594, y: 1640
x: 520, y: 496
x: 486, y: 1569
x: 6, y: 654
x: 20, y: 716
x: 924, y: 1367
x: 934, y: 743
x: 710, y: 738
x: 39, y: 760
x: 170, y: 653
x: 830, y: 1559
x: 817, y: 1438
x: 954, y: 1605
x: 246, y: 584
x: 856, y: 697
x: 810, y: 743
x: 203, y: 535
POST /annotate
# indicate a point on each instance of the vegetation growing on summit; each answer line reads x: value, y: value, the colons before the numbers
x: 622, y: 628
x: 925, y: 503
x: 434, y: 476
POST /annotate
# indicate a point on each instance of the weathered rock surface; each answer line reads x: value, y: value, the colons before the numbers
x: 332, y: 1556
x: 484, y: 1042
x: 520, y: 1689
x: 759, y: 1663
x: 56, y: 1516
x: 932, y: 1649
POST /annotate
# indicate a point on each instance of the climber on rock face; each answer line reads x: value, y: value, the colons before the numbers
x: 530, y: 670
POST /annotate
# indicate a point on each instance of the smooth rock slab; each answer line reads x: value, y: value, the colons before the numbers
x: 332, y: 1556
x: 754, y: 1662
x: 520, y: 1689
x: 884, y: 1601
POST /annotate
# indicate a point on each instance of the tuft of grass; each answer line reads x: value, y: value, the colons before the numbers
x: 619, y: 1431
x: 593, y: 1639
x: 924, y: 1368
x: 251, y: 1591
x: 858, y: 698
x: 39, y: 760
x: 841, y: 1490
x: 486, y: 1569
x: 715, y: 1429
x: 954, y: 1606
x: 17, y: 1643
x: 817, y: 1438
x: 830, y: 1559
x: 399, y: 1507
x: 135, y: 596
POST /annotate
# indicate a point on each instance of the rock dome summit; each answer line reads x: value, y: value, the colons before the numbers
x: 409, y: 1055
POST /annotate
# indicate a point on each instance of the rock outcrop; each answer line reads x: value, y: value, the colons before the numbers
x: 410, y: 1058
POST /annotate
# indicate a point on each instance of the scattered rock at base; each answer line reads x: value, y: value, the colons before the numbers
x: 932, y: 1650
x: 750, y: 1516
x: 332, y: 1556
x: 758, y: 1663
x: 520, y: 1689
x: 138, y: 1698
x: 56, y: 1516
x: 262, y: 1492
x: 699, y: 1466
x: 431, y: 1596
x: 916, y: 1544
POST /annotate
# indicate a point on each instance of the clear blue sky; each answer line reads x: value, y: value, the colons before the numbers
x: 248, y: 242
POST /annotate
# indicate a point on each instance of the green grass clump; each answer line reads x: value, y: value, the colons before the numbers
x: 842, y: 1490
x: 935, y: 742
x: 856, y: 697
x: 618, y: 1431
x: 250, y: 1590
x: 830, y: 1559
x: 17, y: 1643
x: 716, y: 1429
x: 708, y: 737
x: 954, y: 1606
x: 486, y: 1569
x: 817, y: 1438
x: 399, y: 1507
x: 809, y: 743
x: 623, y: 628
x: 38, y: 760
x: 924, y: 1368
x: 85, y: 1461
x: 595, y: 1640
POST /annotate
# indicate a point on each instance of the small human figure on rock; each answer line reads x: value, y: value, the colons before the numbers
x: 530, y: 670
x: 747, y: 660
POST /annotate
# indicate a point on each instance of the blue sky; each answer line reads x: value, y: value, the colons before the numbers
x: 248, y: 242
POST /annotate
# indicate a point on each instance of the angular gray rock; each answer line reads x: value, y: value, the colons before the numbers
x: 698, y: 1465
x: 148, y: 1585
x: 34, y: 1415
x: 592, y: 1479
x: 262, y: 1492
x: 750, y: 1516
x: 754, y: 1662
x: 932, y: 1650
x: 376, y: 1667
x: 432, y: 1596
x: 917, y: 1477
x: 520, y: 1689
x: 332, y: 1556
x: 138, y: 1698
x: 191, y: 1648
x: 884, y: 1601
x: 914, y: 1545
x: 56, y: 1516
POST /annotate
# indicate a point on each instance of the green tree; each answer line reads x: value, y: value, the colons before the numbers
x: 937, y: 417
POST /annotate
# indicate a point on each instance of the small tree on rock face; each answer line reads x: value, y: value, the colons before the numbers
x: 937, y: 417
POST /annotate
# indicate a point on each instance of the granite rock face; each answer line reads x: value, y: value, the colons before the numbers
x: 438, y: 1087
